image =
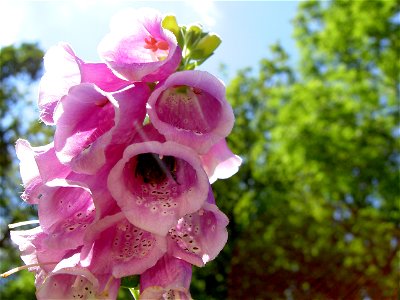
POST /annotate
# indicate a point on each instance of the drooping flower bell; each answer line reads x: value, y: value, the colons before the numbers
x: 88, y: 120
x: 38, y: 256
x: 168, y: 279
x: 65, y: 70
x: 220, y: 162
x: 198, y: 237
x: 115, y: 246
x: 77, y: 283
x: 190, y: 108
x: 38, y: 165
x: 69, y: 280
x: 65, y: 211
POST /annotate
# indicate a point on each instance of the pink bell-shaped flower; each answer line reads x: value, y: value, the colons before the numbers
x: 88, y: 120
x: 65, y: 70
x: 38, y: 165
x: 115, y: 246
x: 219, y: 162
x: 69, y: 280
x: 190, y: 108
x: 65, y: 211
x: 38, y: 257
x: 138, y: 48
x: 199, y: 237
x: 35, y: 254
x: 168, y: 279
x: 155, y: 184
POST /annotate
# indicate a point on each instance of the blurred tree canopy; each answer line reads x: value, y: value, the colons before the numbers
x: 314, y: 210
x: 20, y: 69
x: 315, y: 206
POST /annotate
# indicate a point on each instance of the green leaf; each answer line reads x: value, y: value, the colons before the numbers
x: 197, y: 54
x: 206, y: 46
x: 171, y: 24
x: 135, y: 293
x: 193, y: 35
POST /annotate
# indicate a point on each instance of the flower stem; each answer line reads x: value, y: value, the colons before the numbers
x: 17, y: 269
x: 15, y: 225
x: 135, y: 293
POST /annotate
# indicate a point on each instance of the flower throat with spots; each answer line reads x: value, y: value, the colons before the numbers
x: 154, y: 169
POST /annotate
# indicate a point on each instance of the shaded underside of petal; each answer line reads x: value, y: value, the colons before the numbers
x: 82, y: 118
x: 102, y: 76
x: 130, y: 112
x: 158, y: 292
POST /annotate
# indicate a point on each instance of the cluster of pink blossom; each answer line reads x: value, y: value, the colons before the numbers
x: 125, y: 188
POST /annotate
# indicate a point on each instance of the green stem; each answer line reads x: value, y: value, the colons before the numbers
x: 135, y: 293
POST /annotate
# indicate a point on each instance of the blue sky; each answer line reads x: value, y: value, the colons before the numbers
x: 247, y: 28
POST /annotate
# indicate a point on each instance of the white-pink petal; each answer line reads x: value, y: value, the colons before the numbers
x: 38, y: 165
x: 219, y: 162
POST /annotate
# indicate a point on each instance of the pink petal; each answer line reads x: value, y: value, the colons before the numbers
x: 200, y: 236
x: 190, y: 108
x: 37, y: 166
x: 116, y: 246
x: 148, y: 133
x: 29, y: 171
x: 65, y: 211
x: 33, y: 249
x: 170, y: 276
x: 102, y: 199
x: 28, y: 241
x: 62, y: 72
x: 130, y: 112
x: 65, y: 70
x: 83, y: 117
x: 219, y: 162
x: 89, y: 120
x: 126, y: 51
x: 156, y: 204
x: 102, y: 76
x: 67, y: 286
x: 70, y: 281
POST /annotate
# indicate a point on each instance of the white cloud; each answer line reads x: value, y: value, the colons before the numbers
x: 206, y: 10
x: 11, y: 19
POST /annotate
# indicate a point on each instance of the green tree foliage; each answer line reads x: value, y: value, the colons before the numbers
x: 315, y: 206
x: 21, y: 63
x: 20, y: 68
